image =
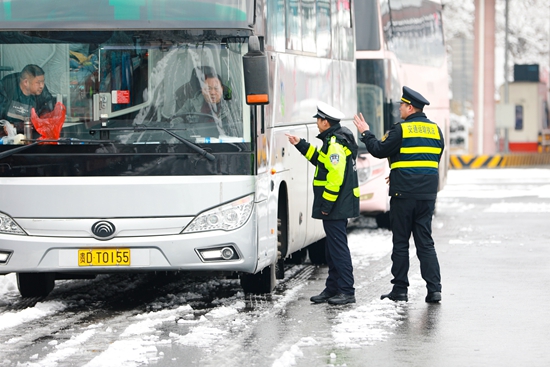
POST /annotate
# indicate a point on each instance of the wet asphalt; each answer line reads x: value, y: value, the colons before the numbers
x: 495, y: 275
x: 494, y: 253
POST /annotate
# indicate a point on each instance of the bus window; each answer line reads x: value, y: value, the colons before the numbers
x: 414, y: 32
x: 293, y: 25
x: 276, y: 25
x: 367, y: 27
x: 344, y: 33
x: 370, y: 102
x: 324, y: 43
x: 309, y: 23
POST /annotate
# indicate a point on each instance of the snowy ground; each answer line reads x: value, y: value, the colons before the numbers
x: 65, y: 329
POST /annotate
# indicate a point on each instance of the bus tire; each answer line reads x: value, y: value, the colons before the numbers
x: 383, y: 220
x: 316, y: 252
x: 35, y: 284
x: 260, y: 283
x: 282, y: 232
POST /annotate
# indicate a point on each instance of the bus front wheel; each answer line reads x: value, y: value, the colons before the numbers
x: 35, y: 284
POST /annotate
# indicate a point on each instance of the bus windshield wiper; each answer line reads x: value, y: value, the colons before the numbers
x: 7, y: 153
x: 68, y: 141
x: 191, y: 145
x: 185, y: 141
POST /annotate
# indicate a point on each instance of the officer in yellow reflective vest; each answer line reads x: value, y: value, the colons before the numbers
x: 414, y: 147
x: 336, y: 198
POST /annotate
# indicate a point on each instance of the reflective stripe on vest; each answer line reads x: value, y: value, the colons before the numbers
x: 332, y: 189
x: 420, y: 146
x: 310, y: 152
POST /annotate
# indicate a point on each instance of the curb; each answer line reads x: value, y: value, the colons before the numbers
x: 498, y: 160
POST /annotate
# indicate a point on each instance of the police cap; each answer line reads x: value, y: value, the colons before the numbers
x: 413, y: 97
x: 328, y: 112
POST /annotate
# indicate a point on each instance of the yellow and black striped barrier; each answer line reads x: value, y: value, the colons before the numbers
x: 499, y: 160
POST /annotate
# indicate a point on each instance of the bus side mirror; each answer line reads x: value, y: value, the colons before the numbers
x: 256, y: 75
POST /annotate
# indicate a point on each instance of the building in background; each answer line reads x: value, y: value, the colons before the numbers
x: 528, y: 94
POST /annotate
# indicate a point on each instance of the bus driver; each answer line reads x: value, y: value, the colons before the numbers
x: 210, y: 103
x: 20, y: 92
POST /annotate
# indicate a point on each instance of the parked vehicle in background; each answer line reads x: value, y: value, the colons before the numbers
x: 399, y: 43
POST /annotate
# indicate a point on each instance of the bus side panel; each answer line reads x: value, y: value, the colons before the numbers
x: 290, y: 166
x: 299, y: 83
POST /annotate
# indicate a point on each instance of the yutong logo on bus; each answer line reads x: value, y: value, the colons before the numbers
x: 103, y: 230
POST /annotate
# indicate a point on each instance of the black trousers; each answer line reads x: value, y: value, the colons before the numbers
x: 340, y: 269
x: 413, y: 216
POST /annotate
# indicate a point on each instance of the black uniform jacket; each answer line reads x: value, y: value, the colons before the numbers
x: 16, y: 106
x: 335, y: 185
x: 407, y: 181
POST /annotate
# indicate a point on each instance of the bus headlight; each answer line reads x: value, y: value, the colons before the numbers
x: 8, y: 225
x: 225, y: 217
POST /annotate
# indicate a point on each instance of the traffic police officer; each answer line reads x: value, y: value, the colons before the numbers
x: 414, y: 147
x: 336, y: 198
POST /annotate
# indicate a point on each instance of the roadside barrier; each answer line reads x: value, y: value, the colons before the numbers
x: 499, y: 160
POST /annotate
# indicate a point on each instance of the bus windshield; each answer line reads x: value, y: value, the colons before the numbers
x: 130, y: 87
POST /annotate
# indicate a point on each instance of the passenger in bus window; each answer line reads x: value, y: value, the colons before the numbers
x: 336, y: 198
x: 209, y: 105
x: 20, y: 92
x: 414, y: 148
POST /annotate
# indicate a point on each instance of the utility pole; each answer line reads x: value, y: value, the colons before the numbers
x: 484, y: 77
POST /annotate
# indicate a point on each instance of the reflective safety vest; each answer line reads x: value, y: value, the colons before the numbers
x: 335, y: 185
x: 420, y: 147
x: 333, y: 177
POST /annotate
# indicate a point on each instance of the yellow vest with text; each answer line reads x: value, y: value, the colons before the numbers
x: 420, y: 148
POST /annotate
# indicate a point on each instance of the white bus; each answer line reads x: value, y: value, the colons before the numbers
x: 147, y: 172
x: 399, y: 42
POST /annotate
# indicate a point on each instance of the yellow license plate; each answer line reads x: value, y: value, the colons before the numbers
x: 104, y: 257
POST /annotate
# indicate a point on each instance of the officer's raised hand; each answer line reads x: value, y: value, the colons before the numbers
x: 360, y: 123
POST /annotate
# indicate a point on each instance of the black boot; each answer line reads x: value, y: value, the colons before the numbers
x: 322, y: 297
x: 342, y: 299
x: 395, y: 296
x: 433, y: 297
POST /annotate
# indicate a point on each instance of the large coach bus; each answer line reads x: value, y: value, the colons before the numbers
x: 399, y: 42
x: 166, y: 147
